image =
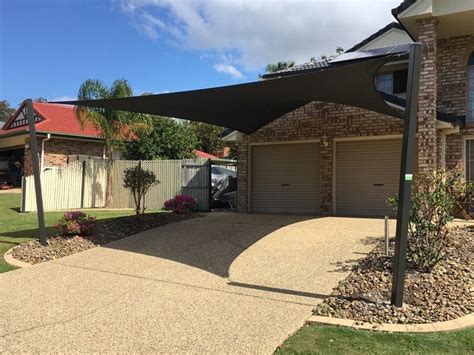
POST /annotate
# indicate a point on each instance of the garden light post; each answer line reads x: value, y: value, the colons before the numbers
x: 406, y: 174
x: 36, y: 172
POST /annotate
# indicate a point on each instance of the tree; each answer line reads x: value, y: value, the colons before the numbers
x: 139, y: 181
x: 5, y: 110
x: 166, y: 139
x: 272, y: 68
x: 208, y: 137
x: 114, y: 126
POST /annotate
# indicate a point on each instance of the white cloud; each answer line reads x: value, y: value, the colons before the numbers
x: 228, y: 69
x: 64, y: 98
x: 253, y: 33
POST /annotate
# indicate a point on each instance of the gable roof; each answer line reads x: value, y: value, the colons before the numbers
x: 50, y: 118
x: 392, y: 25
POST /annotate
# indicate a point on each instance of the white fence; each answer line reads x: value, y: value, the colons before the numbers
x: 83, y: 184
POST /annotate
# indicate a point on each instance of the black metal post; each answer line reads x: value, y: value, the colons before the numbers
x: 36, y: 172
x: 406, y: 173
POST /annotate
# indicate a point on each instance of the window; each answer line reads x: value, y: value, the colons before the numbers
x: 394, y: 83
x: 470, y: 89
x: 400, y: 81
x: 384, y: 83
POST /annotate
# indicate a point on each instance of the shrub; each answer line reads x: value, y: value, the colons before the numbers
x: 75, y: 223
x: 435, y: 196
x: 139, y: 181
x: 181, y: 204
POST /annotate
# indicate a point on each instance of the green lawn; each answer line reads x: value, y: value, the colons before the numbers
x: 318, y: 339
x: 17, y: 228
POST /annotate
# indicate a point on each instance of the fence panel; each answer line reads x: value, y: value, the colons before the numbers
x: 76, y: 185
x: 195, y: 182
x: 170, y: 175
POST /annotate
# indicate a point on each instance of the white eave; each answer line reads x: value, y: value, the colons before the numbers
x: 234, y: 136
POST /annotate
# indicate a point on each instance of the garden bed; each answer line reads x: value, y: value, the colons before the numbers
x: 106, y: 231
x: 443, y: 294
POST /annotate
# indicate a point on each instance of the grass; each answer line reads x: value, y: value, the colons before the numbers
x: 318, y: 339
x: 17, y: 228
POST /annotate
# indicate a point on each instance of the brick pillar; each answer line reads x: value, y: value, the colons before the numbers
x: 327, y: 159
x: 426, y: 137
x: 242, y: 174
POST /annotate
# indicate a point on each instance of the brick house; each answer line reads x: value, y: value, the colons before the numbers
x: 59, y: 136
x: 332, y: 159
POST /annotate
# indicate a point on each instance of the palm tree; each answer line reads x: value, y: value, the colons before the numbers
x: 272, y: 68
x: 114, y: 126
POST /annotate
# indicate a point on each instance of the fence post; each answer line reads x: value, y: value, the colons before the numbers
x: 23, y: 194
x: 209, y: 183
x: 83, y: 182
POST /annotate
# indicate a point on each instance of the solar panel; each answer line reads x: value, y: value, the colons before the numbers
x: 376, y: 52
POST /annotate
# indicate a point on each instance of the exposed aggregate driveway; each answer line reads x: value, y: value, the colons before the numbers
x: 222, y: 283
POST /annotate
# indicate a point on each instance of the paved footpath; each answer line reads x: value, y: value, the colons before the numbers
x: 223, y: 283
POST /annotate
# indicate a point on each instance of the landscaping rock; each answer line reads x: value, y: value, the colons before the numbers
x: 105, y: 232
x: 443, y: 294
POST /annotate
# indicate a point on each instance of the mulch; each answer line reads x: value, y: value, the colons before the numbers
x: 444, y: 293
x: 105, y: 232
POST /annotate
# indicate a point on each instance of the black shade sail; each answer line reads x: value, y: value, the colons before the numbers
x: 248, y: 107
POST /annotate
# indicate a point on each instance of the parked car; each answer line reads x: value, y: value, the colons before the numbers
x: 223, y: 183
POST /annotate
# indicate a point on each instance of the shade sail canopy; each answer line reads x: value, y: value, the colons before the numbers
x: 248, y: 107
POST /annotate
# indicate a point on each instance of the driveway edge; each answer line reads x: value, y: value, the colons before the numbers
x: 454, y: 324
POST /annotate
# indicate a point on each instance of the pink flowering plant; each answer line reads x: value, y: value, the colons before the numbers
x: 75, y: 223
x: 181, y: 204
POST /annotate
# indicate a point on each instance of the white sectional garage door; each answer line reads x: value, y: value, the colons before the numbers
x: 367, y: 173
x: 285, y: 178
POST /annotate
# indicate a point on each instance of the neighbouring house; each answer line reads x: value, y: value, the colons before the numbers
x: 332, y: 159
x: 201, y: 154
x: 59, y: 136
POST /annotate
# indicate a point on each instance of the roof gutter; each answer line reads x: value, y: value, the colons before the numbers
x: 395, y: 13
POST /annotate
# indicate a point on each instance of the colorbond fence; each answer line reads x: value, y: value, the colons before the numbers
x: 189, y: 177
x: 83, y: 184
x: 77, y: 185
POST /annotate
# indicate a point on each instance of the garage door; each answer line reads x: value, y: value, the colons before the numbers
x: 367, y: 173
x: 285, y: 178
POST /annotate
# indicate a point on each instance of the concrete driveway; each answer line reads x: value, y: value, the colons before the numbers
x: 223, y: 283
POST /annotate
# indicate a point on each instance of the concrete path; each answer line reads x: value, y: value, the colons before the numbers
x: 223, y: 283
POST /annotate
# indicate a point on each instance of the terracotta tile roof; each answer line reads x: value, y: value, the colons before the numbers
x: 201, y: 154
x: 55, y: 118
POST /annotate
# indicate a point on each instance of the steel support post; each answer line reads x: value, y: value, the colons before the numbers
x: 36, y: 172
x: 406, y: 173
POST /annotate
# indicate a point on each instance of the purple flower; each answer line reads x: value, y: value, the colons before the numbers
x: 181, y: 204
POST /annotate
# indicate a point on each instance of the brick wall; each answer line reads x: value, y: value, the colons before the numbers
x: 453, y: 55
x: 57, y: 151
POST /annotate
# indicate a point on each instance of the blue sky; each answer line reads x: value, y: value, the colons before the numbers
x: 49, y: 47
